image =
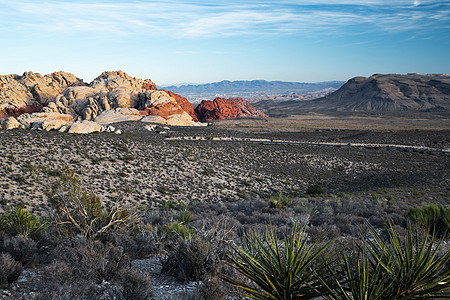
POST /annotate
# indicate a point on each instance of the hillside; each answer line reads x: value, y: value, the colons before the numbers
x: 390, y: 92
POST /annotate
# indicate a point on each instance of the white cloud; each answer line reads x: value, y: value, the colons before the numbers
x: 182, y: 19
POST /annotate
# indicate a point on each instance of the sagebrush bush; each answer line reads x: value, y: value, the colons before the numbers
x: 19, y: 247
x: 135, y: 285
x: 91, y: 260
x: 193, y: 259
x: 10, y: 270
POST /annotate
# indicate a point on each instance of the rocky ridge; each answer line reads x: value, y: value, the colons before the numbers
x: 60, y: 101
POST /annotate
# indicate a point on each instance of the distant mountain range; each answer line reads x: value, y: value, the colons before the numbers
x: 379, y: 92
x: 254, y: 89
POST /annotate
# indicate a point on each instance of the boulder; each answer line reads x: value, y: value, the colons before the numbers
x: 11, y: 123
x: 54, y: 124
x: 85, y: 127
x: 154, y: 119
x: 119, y: 115
x: 52, y: 120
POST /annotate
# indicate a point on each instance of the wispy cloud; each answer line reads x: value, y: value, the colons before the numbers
x: 182, y: 19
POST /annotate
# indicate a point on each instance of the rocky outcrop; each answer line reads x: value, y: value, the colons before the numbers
x: 45, y: 121
x: 31, y: 91
x: 221, y: 108
x: 245, y: 109
x: 118, y: 115
x: 184, y: 104
x: 217, y: 109
x: 391, y: 92
x: 85, y: 126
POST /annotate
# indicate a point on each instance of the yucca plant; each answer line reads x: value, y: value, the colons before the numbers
x: 414, y: 267
x: 280, y: 270
x: 20, y: 221
x: 394, y: 269
x: 358, y: 277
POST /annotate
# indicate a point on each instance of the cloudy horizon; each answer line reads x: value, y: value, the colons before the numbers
x: 206, y: 41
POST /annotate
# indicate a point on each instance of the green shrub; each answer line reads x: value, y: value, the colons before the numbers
x: 185, y: 217
x: 178, y: 229
x: 279, y: 200
x: 288, y: 269
x: 20, y: 221
x: 435, y: 218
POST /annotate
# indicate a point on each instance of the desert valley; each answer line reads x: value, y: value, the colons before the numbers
x: 117, y: 189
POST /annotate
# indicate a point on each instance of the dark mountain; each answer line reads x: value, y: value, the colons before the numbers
x: 390, y: 92
x: 250, y: 89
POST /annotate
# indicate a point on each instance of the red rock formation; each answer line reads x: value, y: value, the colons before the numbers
x: 184, y: 103
x: 148, y: 86
x: 17, y: 111
x: 217, y: 109
x: 221, y: 108
x: 164, y: 110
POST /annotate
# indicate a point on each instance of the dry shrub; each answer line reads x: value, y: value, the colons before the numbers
x: 20, y: 248
x: 135, y: 285
x: 10, y: 270
x: 92, y: 260
x: 192, y: 260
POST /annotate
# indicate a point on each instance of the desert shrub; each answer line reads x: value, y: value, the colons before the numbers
x: 288, y: 269
x: 135, y: 285
x: 211, y: 289
x: 58, y: 272
x: 20, y: 221
x: 91, y: 260
x: 139, y: 245
x: 10, y: 270
x: 76, y: 210
x: 177, y: 229
x: 193, y: 259
x: 20, y: 248
x: 314, y: 190
x: 279, y: 200
x: 435, y: 218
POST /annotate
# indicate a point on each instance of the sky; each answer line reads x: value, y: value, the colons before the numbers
x: 176, y: 41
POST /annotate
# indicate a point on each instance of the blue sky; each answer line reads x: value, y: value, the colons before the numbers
x: 205, y: 41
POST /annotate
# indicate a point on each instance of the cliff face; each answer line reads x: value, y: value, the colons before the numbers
x: 391, y: 92
x: 221, y: 108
